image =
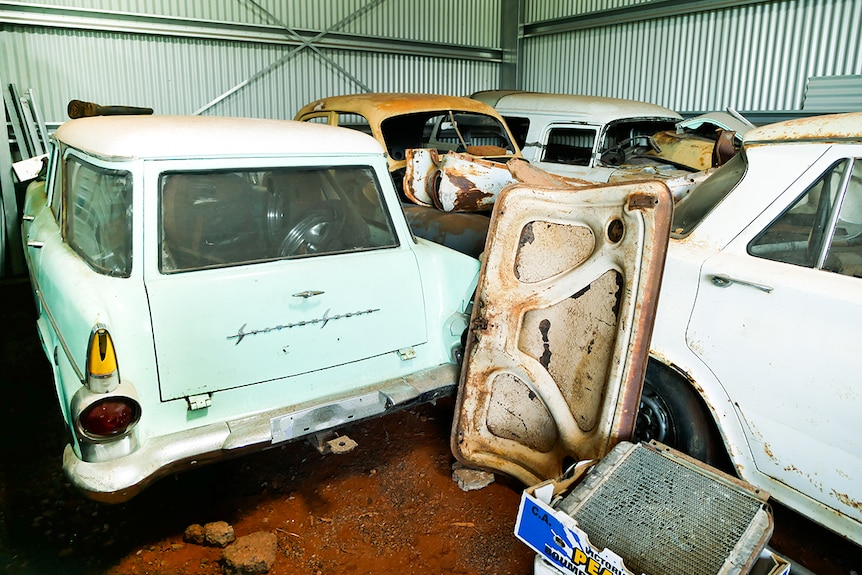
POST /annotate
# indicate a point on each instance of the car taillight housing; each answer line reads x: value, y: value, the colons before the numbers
x: 109, y: 417
x: 103, y: 375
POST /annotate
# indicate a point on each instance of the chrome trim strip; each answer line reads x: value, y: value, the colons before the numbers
x: 47, y: 310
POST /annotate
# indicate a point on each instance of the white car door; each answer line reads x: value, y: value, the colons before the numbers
x: 561, y: 326
x: 777, y: 320
x: 250, y: 285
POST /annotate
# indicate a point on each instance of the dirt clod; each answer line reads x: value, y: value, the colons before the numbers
x: 251, y: 554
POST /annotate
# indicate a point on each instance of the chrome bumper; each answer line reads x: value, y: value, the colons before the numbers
x: 121, y: 479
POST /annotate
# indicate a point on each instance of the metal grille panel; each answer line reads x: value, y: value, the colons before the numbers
x: 664, y: 515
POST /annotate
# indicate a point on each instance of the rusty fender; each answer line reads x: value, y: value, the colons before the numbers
x: 454, y: 182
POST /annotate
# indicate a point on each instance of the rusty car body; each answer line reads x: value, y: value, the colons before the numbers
x: 561, y: 326
x: 602, y: 139
x: 445, y: 126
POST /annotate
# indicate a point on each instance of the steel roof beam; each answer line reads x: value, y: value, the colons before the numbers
x: 628, y: 14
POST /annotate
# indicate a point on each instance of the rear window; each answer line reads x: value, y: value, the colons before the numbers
x: 228, y: 218
x: 474, y: 133
x: 688, y: 213
x: 99, y: 216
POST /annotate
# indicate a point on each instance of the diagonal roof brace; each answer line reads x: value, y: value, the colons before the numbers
x: 304, y: 43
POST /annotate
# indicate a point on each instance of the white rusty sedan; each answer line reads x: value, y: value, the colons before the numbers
x: 757, y: 333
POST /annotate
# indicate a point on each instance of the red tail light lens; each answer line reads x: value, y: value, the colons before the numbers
x: 109, y: 417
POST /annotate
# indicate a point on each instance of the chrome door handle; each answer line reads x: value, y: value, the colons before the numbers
x: 36, y: 245
x: 28, y: 218
x: 307, y: 294
x: 725, y: 281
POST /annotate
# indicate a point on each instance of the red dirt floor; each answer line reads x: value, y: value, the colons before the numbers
x: 389, y: 506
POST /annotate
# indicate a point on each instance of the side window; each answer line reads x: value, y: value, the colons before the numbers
x: 55, y: 172
x: 354, y: 122
x: 98, y: 224
x: 573, y: 146
x: 221, y: 219
x: 823, y: 228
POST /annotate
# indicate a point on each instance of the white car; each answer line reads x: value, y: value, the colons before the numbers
x: 601, y: 139
x: 754, y: 347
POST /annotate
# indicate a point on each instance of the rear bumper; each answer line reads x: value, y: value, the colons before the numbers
x: 121, y: 479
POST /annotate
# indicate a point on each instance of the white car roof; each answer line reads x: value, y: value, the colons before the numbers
x: 150, y: 137
x: 832, y: 127
x: 597, y: 109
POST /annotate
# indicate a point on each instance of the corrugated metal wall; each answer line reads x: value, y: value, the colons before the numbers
x: 175, y: 71
x: 756, y: 56
x: 180, y: 57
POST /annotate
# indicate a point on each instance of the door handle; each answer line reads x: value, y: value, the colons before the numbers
x: 35, y: 244
x: 28, y: 218
x: 725, y: 281
x: 307, y: 294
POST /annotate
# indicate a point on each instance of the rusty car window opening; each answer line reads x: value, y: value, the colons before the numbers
x: 519, y: 127
x: 444, y: 131
x: 572, y: 146
x: 98, y: 222
x: 689, y: 213
x: 356, y: 122
x: 631, y: 137
x: 225, y: 218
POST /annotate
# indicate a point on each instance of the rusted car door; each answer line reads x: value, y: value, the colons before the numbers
x: 561, y: 327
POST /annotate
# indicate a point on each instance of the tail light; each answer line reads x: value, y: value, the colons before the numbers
x: 109, y: 417
x: 103, y: 375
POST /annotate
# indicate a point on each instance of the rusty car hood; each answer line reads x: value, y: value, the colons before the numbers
x: 560, y: 331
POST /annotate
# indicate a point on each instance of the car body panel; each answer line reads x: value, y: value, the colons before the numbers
x: 377, y: 108
x: 767, y: 342
x: 561, y: 326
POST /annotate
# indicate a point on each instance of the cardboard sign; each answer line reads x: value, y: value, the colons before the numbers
x: 556, y: 536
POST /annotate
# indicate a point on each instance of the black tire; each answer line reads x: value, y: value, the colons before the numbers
x: 672, y: 413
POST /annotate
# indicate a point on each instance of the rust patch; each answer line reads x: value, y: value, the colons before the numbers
x: 544, y: 328
x: 846, y: 500
x: 469, y: 198
x: 725, y: 147
x: 527, y: 235
x: 641, y: 201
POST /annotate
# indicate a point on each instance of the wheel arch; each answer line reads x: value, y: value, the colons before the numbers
x: 658, y: 367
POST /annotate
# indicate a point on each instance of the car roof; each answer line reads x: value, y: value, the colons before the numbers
x: 599, y: 109
x: 151, y: 137
x: 831, y: 127
x: 384, y: 104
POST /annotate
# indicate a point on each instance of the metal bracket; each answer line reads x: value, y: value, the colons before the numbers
x: 199, y: 401
x: 407, y: 353
x: 330, y: 442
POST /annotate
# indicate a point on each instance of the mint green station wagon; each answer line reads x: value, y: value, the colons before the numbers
x: 207, y: 287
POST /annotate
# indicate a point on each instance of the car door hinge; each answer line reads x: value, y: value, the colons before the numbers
x: 406, y: 353
x: 199, y: 401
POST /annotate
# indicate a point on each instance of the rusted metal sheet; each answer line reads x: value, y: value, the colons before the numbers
x: 680, y: 182
x: 693, y: 151
x: 454, y: 182
x: 561, y: 326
